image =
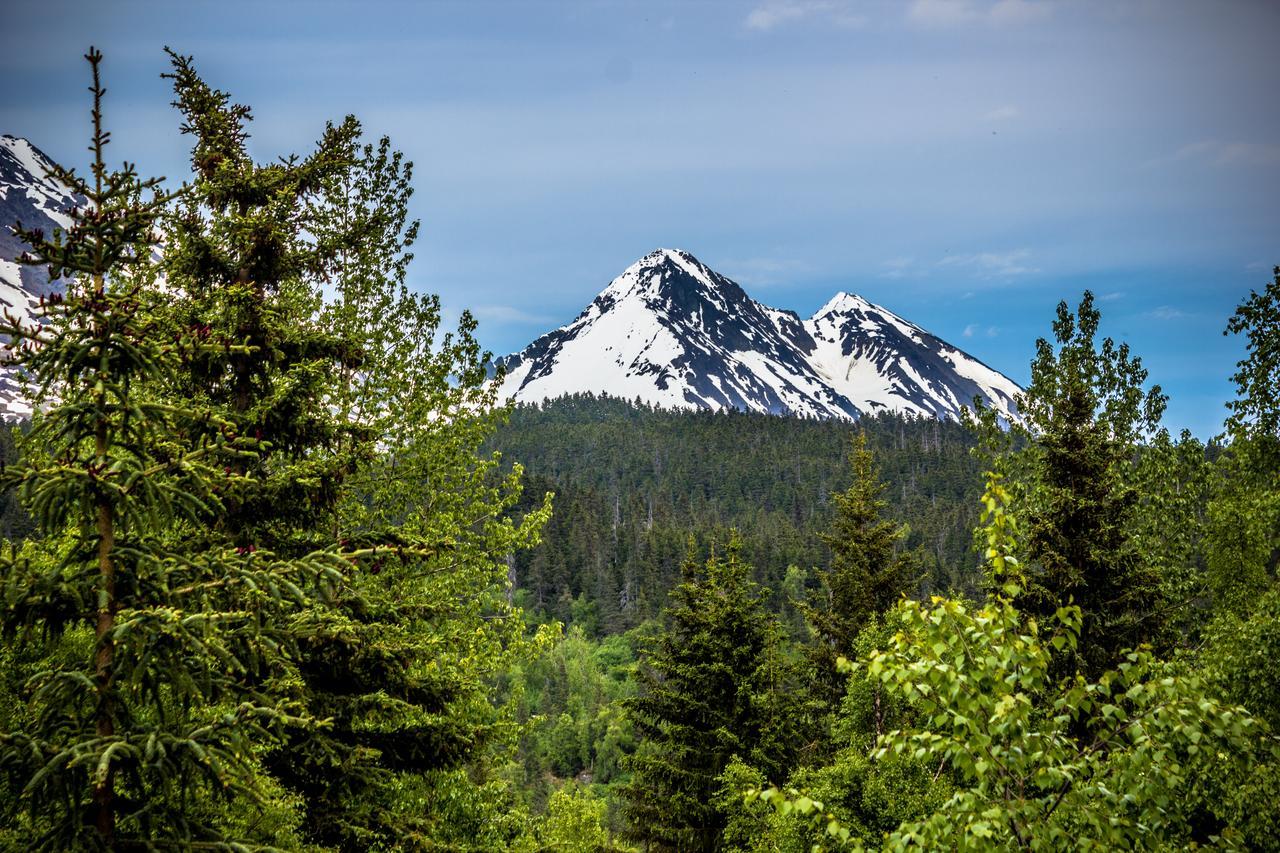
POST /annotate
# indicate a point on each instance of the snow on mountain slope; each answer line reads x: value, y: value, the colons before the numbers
x: 29, y: 196
x: 674, y: 333
x: 882, y: 362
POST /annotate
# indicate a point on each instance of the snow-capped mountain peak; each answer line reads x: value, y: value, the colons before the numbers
x: 669, y: 330
x: 674, y: 277
x: 30, y: 196
x: 673, y: 332
x: 844, y: 302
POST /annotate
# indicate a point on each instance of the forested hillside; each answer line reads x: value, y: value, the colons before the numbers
x: 633, y: 483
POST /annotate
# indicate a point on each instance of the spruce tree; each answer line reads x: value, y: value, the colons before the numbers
x: 160, y: 690
x: 372, y: 427
x: 1086, y: 411
x: 706, y: 695
x: 869, y: 569
x: 244, y: 260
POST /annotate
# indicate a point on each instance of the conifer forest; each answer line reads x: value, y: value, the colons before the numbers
x: 281, y: 571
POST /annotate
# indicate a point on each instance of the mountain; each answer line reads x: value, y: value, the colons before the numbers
x: 669, y: 331
x: 28, y: 196
x: 676, y: 334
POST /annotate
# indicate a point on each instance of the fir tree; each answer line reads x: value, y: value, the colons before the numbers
x: 704, y: 698
x: 160, y: 691
x: 1086, y: 410
x: 244, y: 257
x: 371, y: 427
x: 869, y: 570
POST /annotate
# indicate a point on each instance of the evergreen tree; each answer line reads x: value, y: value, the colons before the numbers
x: 1086, y: 410
x: 869, y: 571
x: 706, y: 696
x: 160, y: 684
x: 245, y: 256
x: 372, y: 428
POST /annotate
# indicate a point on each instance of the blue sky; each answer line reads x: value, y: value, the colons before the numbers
x: 966, y: 163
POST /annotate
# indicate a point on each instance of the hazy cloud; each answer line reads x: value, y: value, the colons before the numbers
x: 993, y: 263
x: 501, y: 315
x: 955, y: 13
x: 1164, y: 312
x: 768, y: 15
x: 1220, y: 153
x: 942, y: 13
x: 1017, y: 12
x: 897, y: 267
x: 761, y: 272
x: 1002, y: 113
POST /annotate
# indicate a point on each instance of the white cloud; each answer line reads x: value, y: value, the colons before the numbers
x: 974, y: 328
x: 1002, y: 113
x: 993, y: 263
x: 1112, y: 296
x: 1164, y: 312
x: 770, y: 14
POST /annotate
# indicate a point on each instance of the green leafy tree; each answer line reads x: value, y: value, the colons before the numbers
x: 1086, y: 410
x: 158, y: 687
x: 980, y: 680
x: 574, y: 823
x: 1244, y: 517
x: 1256, y: 409
x: 1175, y: 481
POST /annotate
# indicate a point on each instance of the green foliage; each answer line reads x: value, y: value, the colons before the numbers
x: 990, y: 711
x: 1175, y: 482
x: 157, y: 688
x: 632, y: 483
x: 1045, y: 764
x: 711, y: 687
x: 868, y: 573
x: 245, y: 253
x: 571, y: 696
x: 1256, y: 409
x: 1243, y: 533
x: 373, y: 427
x: 574, y: 823
x: 1086, y: 410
